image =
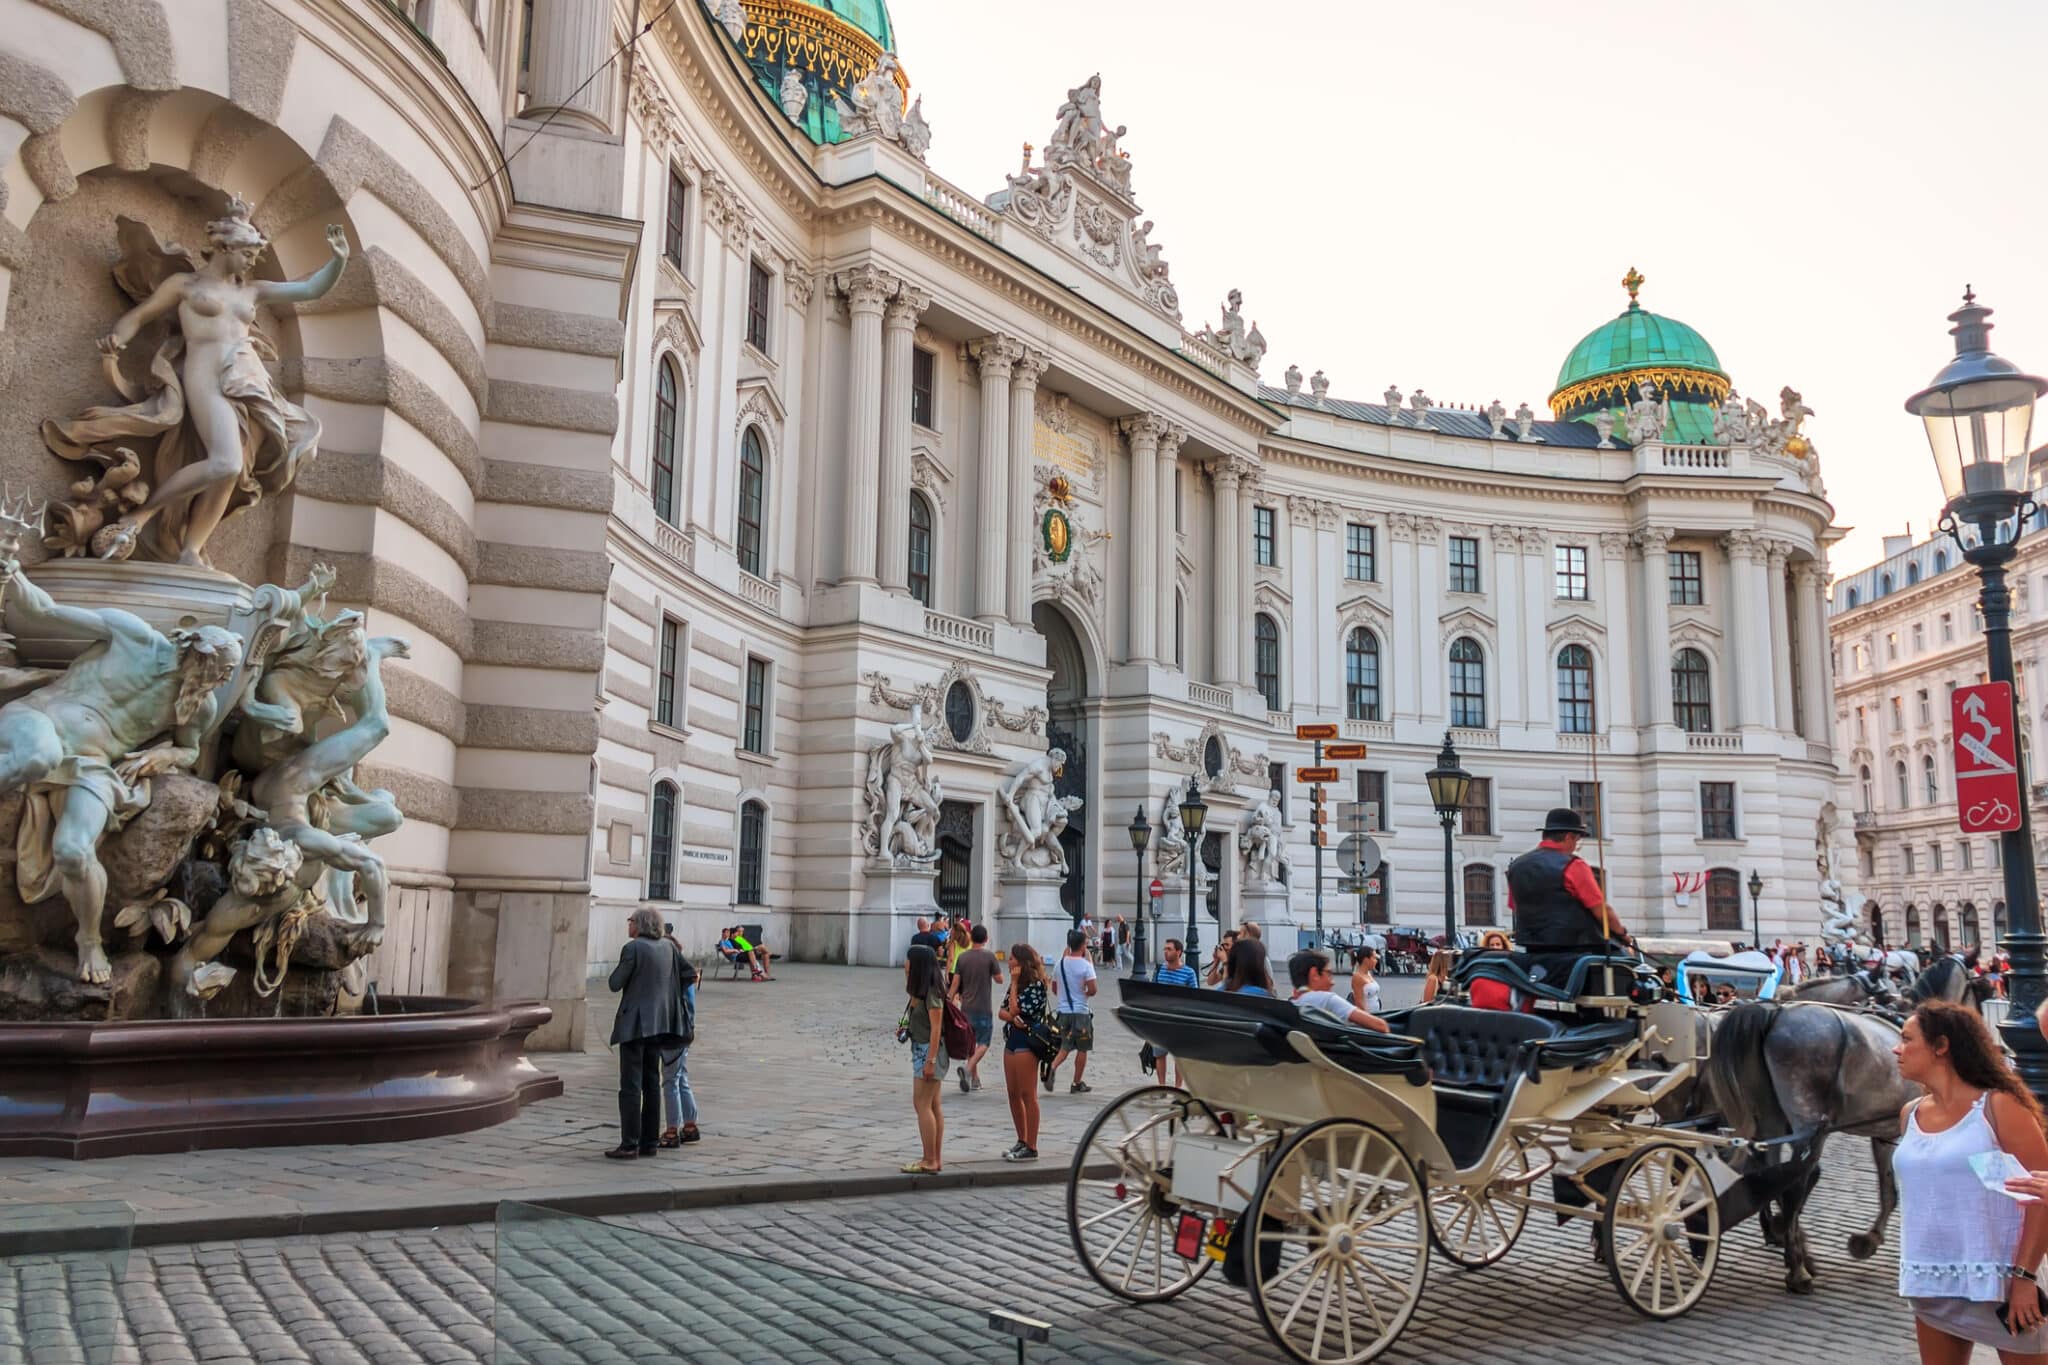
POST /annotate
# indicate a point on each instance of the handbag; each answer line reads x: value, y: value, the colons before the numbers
x: 1039, y: 1034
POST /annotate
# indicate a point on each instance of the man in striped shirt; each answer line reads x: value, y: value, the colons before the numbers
x: 1176, y: 972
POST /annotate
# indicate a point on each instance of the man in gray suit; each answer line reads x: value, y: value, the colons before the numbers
x: 649, y: 1022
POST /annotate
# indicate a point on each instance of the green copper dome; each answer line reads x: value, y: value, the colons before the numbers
x: 869, y: 16
x: 1603, y: 372
x: 828, y: 46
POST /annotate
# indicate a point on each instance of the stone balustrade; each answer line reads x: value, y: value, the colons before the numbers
x: 677, y: 544
x: 958, y: 630
x: 1368, y: 729
x: 760, y: 592
x: 1714, y: 744
x: 962, y: 207
x: 1215, y: 698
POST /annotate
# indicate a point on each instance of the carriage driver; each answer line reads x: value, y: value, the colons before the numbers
x: 1557, y: 902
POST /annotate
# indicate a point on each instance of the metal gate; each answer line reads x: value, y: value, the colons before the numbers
x: 956, y: 858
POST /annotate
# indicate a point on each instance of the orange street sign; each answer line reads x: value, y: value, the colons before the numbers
x: 1341, y: 753
x: 1316, y: 775
x: 1324, y: 731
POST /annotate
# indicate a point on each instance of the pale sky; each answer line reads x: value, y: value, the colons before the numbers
x: 1447, y: 194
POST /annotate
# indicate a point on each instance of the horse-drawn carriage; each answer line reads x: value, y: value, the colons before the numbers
x: 1319, y: 1163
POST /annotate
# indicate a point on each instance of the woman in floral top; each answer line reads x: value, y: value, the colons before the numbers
x: 1025, y: 1004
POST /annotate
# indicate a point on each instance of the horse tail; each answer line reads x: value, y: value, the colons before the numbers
x: 1739, y: 1076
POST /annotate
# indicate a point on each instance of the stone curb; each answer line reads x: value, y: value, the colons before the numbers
x: 176, y: 1227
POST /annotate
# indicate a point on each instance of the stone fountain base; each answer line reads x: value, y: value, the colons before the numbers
x: 422, y: 1067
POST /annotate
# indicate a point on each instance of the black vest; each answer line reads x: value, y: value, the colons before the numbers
x: 1546, y: 914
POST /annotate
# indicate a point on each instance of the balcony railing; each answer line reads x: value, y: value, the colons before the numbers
x: 677, y: 544
x: 1714, y: 744
x: 1475, y: 739
x: 962, y: 207
x: 959, y: 630
x: 1215, y: 698
x: 760, y: 592
x: 1583, y: 744
x: 1368, y: 729
x: 1866, y: 819
x: 1695, y: 457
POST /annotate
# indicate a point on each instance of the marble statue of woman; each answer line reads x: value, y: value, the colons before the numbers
x: 226, y: 435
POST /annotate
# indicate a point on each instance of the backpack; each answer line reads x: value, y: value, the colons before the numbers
x: 955, y: 1033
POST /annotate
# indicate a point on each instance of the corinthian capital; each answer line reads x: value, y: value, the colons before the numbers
x: 1653, y: 540
x: 866, y: 288
x: 1743, y: 545
x: 907, y: 307
x: 1614, y: 544
x: 996, y: 354
x: 1505, y: 537
x: 1143, y: 431
x: 1778, y: 552
x: 1031, y: 365
x: 1170, y: 441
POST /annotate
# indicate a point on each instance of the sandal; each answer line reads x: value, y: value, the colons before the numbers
x: 917, y: 1168
x: 670, y: 1138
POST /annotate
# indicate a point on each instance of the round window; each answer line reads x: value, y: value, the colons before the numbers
x: 1212, y: 757
x: 960, y: 712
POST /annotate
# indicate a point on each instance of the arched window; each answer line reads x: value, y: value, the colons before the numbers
x: 1852, y: 597
x: 1724, y: 900
x: 1884, y: 584
x: 1692, y: 702
x: 1967, y: 920
x: 1905, y: 791
x: 1266, y: 659
x: 1998, y: 921
x: 920, y: 548
x: 753, y: 846
x: 1362, y: 675
x: 1930, y: 779
x: 1479, y: 893
x: 753, y: 501
x: 1941, y: 926
x: 666, y: 424
x: 661, y: 839
x: 1912, y: 926
x: 1912, y: 574
x: 1468, y: 684
x: 1941, y: 561
x: 1864, y: 773
x: 1575, y: 690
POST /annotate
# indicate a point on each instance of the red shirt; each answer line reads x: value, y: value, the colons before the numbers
x: 1578, y: 879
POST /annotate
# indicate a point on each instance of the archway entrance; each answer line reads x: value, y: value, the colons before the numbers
x: 956, y: 857
x: 1066, y: 727
x: 1877, y: 926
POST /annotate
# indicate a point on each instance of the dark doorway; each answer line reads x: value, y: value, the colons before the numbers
x: 956, y: 859
x: 1378, y: 894
x: 1066, y: 728
x: 1877, y: 926
x: 1212, y: 868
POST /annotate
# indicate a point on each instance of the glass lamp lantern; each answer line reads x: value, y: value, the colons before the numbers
x: 1192, y: 809
x: 1448, y: 782
x: 1141, y: 831
x: 1979, y: 415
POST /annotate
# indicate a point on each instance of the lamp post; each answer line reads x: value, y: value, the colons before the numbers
x: 1447, y: 784
x: 1192, y: 809
x: 1756, y: 914
x: 1141, y: 835
x: 1979, y: 414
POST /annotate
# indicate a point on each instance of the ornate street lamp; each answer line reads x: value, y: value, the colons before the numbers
x: 1141, y: 835
x: 1447, y: 784
x: 1192, y: 809
x: 1979, y: 413
x: 1756, y: 914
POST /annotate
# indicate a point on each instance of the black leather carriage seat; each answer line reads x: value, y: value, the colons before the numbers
x: 1552, y: 977
x: 1251, y: 1030
x: 1477, y: 1050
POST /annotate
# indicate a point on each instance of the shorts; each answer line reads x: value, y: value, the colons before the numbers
x: 984, y: 1026
x: 1015, y: 1039
x: 918, y: 1052
x: 1978, y: 1322
x: 1077, y: 1033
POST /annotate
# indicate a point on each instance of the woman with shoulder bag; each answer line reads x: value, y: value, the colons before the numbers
x: 925, y: 985
x: 677, y: 1099
x: 1968, y: 1253
x: 1023, y: 1016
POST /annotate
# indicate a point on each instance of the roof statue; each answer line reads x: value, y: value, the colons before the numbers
x: 1080, y: 140
x: 1319, y: 387
x: 1245, y: 345
x: 877, y: 109
x: 793, y: 96
x: 1525, y: 424
x: 1496, y: 420
x: 733, y: 18
x: 1603, y: 422
x: 1731, y: 423
x: 1648, y: 415
x: 1419, y: 404
x: 1392, y: 397
x: 1293, y: 378
x: 916, y: 134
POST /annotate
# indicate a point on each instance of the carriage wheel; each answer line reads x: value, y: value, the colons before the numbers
x: 1470, y: 1224
x: 1662, y: 1230
x: 1341, y: 1243
x: 1123, y: 1225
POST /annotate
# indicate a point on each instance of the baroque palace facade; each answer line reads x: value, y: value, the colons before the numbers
x: 1906, y: 633
x: 790, y: 537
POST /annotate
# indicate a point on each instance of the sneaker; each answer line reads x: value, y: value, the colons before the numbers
x: 1079, y: 1088
x: 1045, y: 1074
x: 1021, y: 1153
x: 1015, y: 1148
x: 977, y: 1082
x: 963, y: 1078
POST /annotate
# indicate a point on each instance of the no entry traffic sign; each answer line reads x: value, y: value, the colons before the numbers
x: 1158, y: 888
x: 1987, y: 775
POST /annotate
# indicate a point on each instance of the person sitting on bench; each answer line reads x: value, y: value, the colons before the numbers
x: 1315, y: 988
x: 733, y: 947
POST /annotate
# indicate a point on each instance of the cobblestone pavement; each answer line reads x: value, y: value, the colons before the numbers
x: 800, y: 1079
x: 750, y: 1284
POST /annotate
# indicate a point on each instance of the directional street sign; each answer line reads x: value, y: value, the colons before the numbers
x: 1316, y: 775
x: 1358, y: 854
x: 1987, y: 773
x: 1343, y: 753
x: 1324, y: 731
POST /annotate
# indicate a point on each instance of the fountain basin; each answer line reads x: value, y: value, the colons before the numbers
x: 425, y: 1066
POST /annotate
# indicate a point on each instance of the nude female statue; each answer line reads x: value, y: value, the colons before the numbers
x: 226, y: 434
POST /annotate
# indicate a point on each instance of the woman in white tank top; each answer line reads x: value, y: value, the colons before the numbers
x: 1966, y: 1251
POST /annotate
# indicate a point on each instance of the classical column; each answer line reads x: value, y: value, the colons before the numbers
x: 1814, y: 689
x: 1023, y: 456
x: 867, y: 291
x: 1655, y: 542
x: 1776, y: 553
x: 570, y: 39
x: 1226, y: 622
x: 1167, y: 542
x: 899, y: 321
x: 996, y: 355
x: 1748, y: 662
x: 1248, y: 491
x: 1142, y: 554
x: 1618, y: 710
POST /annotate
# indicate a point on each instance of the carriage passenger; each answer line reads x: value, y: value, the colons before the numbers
x: 1486, y: 994
x: 1315, y: 988
x: 1245, y: 970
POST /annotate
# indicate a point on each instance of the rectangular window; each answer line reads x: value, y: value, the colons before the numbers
x: 665, y: 691
x: 661, y: 839
x: 1686, y: 581
x: 754, y: 736
x: 1934, y: 853
x: 1262, y: 536
x: 753, y: 850
x: 924, y: 370
x: 757, y: 306
x: 1969, y: 855
x: 1926, y: 708
x: 1570, y: 561
x: 1464, y: 564
x: 1358, y: 554
x: 1372, y: 793
x: 1919, y: 637
x: 1478, y: 894
x: 1476, y: 815
x: 1584, y: 797
x: 672, y: 226
x: 1948, y: 628
x: 1276, y: 781
x: 1898, y: 714
x: 1909, y: 860
x: 1997, y: 852
x: 1717, y: 810
x: 1724, y: 900
x: 1862, y: 729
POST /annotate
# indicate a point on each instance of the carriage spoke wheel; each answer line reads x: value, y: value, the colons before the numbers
x: 1470, y: 1223
x: 1662, y: 1230
x: 1340, y: 1243
x: 1120, y: 1207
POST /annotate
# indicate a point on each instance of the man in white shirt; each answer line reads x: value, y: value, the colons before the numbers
x: 1309, y: 973
x: 1073, y: 985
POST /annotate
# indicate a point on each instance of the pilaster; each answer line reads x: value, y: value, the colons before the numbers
x: 1142, y: 553
x: 996, y: 356
x: 1024, y: 376
x: 867, y: 291
x: 899, y: 322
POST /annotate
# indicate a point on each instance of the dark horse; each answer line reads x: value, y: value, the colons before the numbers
x: 1948, y: 979
x: 1809, y: 1070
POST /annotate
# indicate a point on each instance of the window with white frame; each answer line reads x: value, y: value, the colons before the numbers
x: 1358, y: 553
x: 1717, y: 810
x: 1569, y: 561
x: 1468, y: 684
